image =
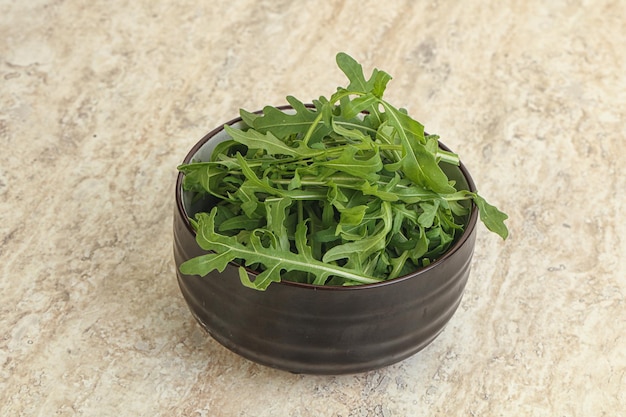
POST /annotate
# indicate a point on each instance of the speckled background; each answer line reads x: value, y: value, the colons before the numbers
x: 101, y: 100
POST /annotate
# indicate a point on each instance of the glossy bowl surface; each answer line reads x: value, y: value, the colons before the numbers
x: 312, y: 329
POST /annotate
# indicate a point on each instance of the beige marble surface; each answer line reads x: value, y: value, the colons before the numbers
x: 101, y: 100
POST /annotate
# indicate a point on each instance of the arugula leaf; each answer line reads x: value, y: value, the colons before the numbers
x: 226, y: 249
x: 256, y: 140
x: 352, y: 108
x: 349, y: 192
x: 246, y: 195
x: 202, y: 176
x: 283, y: 124
x: 276, y: 215
x: 363, y: 248
x: 354, y: 71
x: 429, y: 213
x: 248, y: 117
x: 491, y: 216
x: 350, y: 163
x: 381, y: 79
x: 419, y: 165
x: 354, y: 134
x: 352, y: 215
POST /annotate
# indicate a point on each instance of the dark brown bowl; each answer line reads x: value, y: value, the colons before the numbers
x: 313, y: 329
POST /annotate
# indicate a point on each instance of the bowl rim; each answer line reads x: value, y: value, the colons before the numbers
x: 469, y: 227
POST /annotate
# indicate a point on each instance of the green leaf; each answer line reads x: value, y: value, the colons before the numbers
x: 374, y: 190
x: 353, y: 164
x: 295, y: 182
x: 241, y: 222
x: 367, y: 246
x: 429, y: 213
x: 414, y: 194
x: 255, y: 140
x: 251, y: 176
x: 276, y: 209
x: 491, y: 216
x: 226, y: 249
x: 246, y: 194
x: 420, y: 247
x: 354, y: 71
x: 350, y: 109
x: 203, y: 177
x: 282, y: 124
x: 398, y: 264
x: 352, y: 215
x: 247, y: 117
x: 413, y: 128
x: 381, y: 78
x: 335, y: 196
x: 418, y: 164
x: 349, y: 192
x: 355, y: 133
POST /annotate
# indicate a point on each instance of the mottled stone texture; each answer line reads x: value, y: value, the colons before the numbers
x: 100, y: 100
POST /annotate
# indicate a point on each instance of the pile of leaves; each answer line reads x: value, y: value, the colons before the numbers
x: 348, y: 191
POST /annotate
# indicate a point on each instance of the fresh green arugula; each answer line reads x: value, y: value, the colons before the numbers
x: 348, y: 191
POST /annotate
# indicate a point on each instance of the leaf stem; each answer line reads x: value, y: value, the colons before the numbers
x: 312, y: 128
x: 448, y: 157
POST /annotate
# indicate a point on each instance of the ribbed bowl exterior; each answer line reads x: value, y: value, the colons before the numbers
x: 325, y: 330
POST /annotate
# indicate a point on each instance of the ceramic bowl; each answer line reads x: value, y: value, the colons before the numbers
x: 313, y: 329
